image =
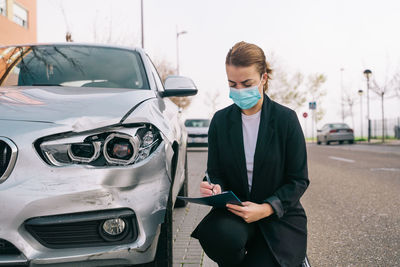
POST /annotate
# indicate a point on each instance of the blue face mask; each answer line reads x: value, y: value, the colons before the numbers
x: 245, y: 98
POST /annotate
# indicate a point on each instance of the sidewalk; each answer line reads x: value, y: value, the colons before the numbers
x: 187, y: 250
x: 389, y: 142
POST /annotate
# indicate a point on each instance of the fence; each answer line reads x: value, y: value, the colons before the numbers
x: 389, y: 127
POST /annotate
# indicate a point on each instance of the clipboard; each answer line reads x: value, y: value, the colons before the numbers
x: 217, y: 201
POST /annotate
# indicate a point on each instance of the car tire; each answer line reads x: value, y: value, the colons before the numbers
x: 184, y: 191
x: 351, y: 141
x: 340, y: 142
x: 327, y: 143
x: 318, y: 142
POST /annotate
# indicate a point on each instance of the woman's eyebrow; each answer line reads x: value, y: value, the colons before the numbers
x: 245, y: 81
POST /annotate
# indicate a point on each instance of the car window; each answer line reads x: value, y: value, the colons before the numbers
x: 338, y: 125
x: 197, y: 123
x: 156, y: 76
x: 72, y: 65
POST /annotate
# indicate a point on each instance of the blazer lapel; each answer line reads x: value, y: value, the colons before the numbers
x: 236, y: 140
x: 265, y: 133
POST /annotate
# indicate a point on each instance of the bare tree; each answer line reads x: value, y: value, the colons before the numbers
x: 349, y: 100
x: 316, y: 93
x: 164, y: 69
x: 397, y: 85
x: 68, y: 37
x: 286, y: 89
x: 212, y: 101
x: 382, y: 90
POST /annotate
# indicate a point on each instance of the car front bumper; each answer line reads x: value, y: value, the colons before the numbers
x: 197, y: 141
x: 36, y: 189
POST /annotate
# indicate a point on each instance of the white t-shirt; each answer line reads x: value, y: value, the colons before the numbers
x: 250, y: 125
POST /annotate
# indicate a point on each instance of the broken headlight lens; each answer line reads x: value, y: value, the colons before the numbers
x: 122, y: 146
x: 121, y: 149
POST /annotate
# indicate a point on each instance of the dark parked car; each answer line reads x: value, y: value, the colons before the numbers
x: 335, y: 132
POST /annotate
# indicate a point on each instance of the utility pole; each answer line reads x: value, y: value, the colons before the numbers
x: 383, y: 117
x: 341, y: 93
x: 360, y: 92
x: 367, y: 74
x: 141, y: 12
x: 177, y: 48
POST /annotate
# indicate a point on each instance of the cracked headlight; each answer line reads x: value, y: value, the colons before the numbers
x: 121, y: 149
x: 115, y: 147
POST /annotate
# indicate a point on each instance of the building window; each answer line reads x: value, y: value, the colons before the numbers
x: 20, y: 15
x: 3, y: 7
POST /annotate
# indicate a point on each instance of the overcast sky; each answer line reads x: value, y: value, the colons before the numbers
x: 310, y: 36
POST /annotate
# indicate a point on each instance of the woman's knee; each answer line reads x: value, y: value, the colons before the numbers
x: 223, y: 237
x: 224, y: 229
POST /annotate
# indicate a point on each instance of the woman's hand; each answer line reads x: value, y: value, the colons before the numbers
x: 207, y: 189
x: 251, y: 212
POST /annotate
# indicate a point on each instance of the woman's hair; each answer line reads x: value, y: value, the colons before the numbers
x: 243, y: 54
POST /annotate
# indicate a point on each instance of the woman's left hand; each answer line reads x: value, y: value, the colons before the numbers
x: 251, y: 212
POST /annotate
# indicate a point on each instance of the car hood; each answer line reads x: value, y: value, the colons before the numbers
x: 79, y: 107
x: 197, y: 130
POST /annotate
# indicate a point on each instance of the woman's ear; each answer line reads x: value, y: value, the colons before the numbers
x: 265, y: 78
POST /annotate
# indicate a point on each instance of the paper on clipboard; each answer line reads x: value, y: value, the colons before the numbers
x: 217, y: 201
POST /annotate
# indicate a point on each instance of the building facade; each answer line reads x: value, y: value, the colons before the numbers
x: 18, y: 21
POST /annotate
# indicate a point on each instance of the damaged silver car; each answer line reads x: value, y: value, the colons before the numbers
x: 92, y: 156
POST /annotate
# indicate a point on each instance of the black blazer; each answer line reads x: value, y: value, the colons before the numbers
x: 280, y: 174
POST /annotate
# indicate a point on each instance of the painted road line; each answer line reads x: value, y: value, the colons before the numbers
x: 386, y: 169
x: 342, y: 159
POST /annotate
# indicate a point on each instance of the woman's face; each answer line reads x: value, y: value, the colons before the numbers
x: 244, y: 77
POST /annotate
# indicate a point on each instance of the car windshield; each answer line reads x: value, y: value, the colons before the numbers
x: 197, y: 123
x: 71, y: 65
x: 338, y: 125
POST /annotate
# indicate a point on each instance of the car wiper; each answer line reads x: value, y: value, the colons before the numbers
x: 46, y: 84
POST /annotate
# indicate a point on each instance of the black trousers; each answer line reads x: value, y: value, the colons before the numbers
x: 228, y: 240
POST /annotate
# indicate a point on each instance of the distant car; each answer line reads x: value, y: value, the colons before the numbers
x: 335, y: 132
x: 197, y: 130
x: 92, y: 156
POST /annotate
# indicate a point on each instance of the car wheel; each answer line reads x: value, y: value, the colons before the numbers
x: 184, y: 191
x: 340, y: 142
x: 351, y: 141
x: 318, y: 142
x: 328, y: 143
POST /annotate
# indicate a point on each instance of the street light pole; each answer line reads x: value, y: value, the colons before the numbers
x: 177, y: 48
x: 367, y: 74
x: 360, y: 92
x: 341, y: 92
x: 141, y: 13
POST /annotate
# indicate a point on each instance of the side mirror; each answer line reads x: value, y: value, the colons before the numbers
x: 179, y: 86
x: 318, y: 131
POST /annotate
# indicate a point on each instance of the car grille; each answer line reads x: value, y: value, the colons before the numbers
x: 8, y: 155
x: 6, y: 248
x: 197, y: 135
x: 80, y: 229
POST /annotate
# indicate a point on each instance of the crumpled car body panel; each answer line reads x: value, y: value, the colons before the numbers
x: 35, y: 189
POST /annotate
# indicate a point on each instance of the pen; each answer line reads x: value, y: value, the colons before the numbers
x: 209, y: 182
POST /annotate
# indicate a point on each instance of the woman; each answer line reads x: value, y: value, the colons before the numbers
x: 257, y: 150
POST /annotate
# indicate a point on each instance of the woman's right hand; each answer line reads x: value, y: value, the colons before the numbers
x: 207, y: 189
